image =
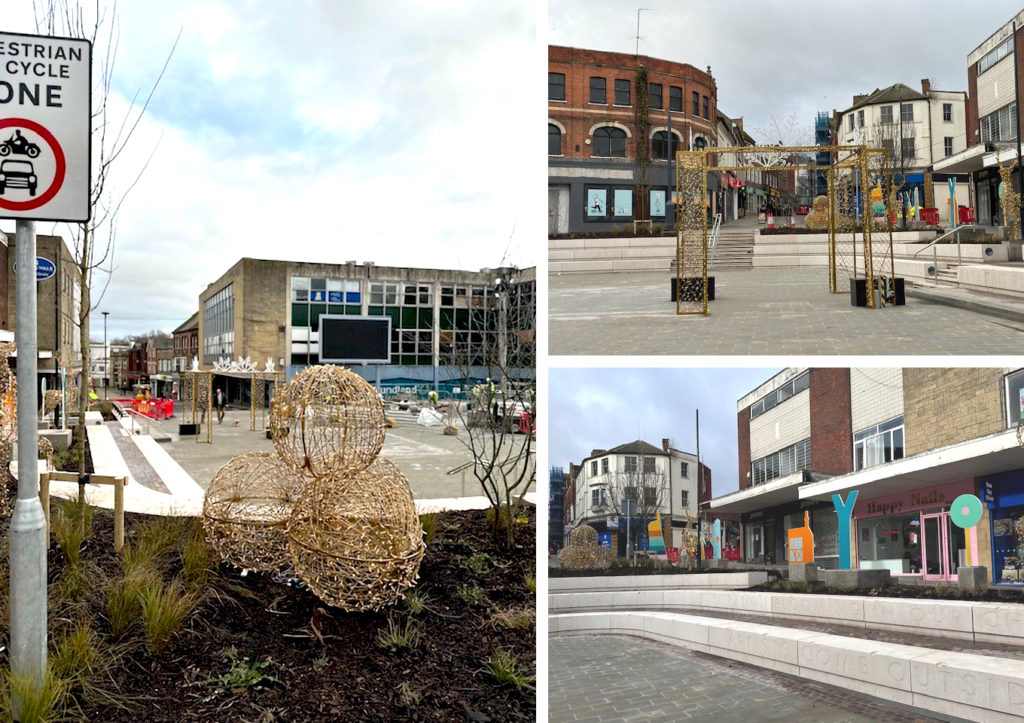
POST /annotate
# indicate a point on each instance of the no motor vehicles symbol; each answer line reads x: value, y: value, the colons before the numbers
x: 26, y: 170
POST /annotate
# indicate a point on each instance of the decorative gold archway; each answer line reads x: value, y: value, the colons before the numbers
x: 849, y: 193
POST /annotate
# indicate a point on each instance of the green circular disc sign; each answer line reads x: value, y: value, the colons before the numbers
x: 965, y: 511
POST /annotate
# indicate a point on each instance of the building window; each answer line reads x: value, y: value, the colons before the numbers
x: 1015, y: 398
x: 705, y: 107
x: 947, y: 146
x: 598, y: 498
x: 675, y: 98
x: 649, y: 463
x: 947, y: 112
x: 604, y: 466
x: 907, y: 112
x: 886, y: 114
x: 621, y: 92
x: 783, y: 463
x: 890, y: 145
x: 410, y: 306
x: 219, y: 325
x: 554, y: 140
x: 556, y: 86
x: 650, y: 497
x: 778, y: 396
x: 685, y: 498
x: 995, y: 55
x: 1000, y: 125
x: 598, y: 89
x: 699, y: 144
x: 604, y: 202
x: 660, y: 145
x: 654, y: 96
x: 878, y: 444
x: 907, y: 146
x: 684, y: 469
x: 860, y: 119
x: 850, y: 118
x: 593, y: 468
x: 609, y: 142
x: 630, y: 465
x: 695, y: 99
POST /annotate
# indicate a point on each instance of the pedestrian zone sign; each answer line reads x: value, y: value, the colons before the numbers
x: 45, y: 127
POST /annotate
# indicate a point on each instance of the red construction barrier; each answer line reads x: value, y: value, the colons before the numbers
x: 966, y: 215
x: 152, y: 408
x: 929, y: 215
x: 673, y: 555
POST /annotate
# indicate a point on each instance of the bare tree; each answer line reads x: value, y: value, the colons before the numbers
x: 642, y: 484
x: 497, y: 355
x: 93, y: 241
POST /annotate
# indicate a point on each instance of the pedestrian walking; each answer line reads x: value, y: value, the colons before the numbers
x: 219, y: 403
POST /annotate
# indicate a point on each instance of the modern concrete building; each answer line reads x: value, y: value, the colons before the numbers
x: 908, y: 441
x: 919, y: 129
x: 659, y: 479
x: 994, y: 72
x: 444, y: 323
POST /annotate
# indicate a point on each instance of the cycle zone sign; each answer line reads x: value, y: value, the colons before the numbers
x: 45, y: 139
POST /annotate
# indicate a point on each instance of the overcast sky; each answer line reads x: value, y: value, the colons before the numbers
x: 796, y: 56
x: 603, y: 408
x: 320, y: 131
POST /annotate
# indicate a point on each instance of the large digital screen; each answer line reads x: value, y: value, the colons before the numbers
x: 355, y: 339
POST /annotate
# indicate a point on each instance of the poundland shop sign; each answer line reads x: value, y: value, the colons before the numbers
x: 45, y: 102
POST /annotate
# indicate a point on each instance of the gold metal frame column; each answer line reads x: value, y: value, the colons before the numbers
x: 867, y: 220
x: 832, y: 284
x: 691, y: 233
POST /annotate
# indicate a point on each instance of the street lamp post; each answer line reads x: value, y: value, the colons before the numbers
x: 106, y: 357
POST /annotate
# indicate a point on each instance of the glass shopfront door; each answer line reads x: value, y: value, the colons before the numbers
x: 943, y: 547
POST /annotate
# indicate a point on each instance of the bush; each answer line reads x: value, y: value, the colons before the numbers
x: 164, y: 609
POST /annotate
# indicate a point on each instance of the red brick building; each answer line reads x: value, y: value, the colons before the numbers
x: 593, y: 134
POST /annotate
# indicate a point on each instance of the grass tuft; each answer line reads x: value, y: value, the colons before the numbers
x: 34, y: 703
x: 197, y: 560
x: 515, y: 618
x: 71, y: 525
x: 531, y: 583
x: 164, y: 609
x: 76, y: 656
x: 505, y: 668
x: 416, y: 601
x: 156, y: 542
x: 124, y: 597
x: 409, y: 696
x: 396, y: 636
x: 430, y: 523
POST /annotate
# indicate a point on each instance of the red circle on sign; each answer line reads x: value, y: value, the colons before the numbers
x: 58, y: 176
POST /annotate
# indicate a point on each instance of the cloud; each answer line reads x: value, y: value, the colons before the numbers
x: 319, y: 131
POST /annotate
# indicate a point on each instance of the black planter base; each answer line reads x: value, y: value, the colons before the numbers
x: 691, y: 286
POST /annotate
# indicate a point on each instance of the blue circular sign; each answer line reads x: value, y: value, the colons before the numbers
x: 44, y: 268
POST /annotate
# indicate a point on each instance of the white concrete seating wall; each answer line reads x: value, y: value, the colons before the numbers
x: 651, y: 582
x: 958, y: 684
x: 977, y: 621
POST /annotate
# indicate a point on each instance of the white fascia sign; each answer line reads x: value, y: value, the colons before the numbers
x: 45, y: 138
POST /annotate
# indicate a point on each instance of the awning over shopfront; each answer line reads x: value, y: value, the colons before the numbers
x: 967, y: 460
x: 975, y: 159
x: 777, y: 492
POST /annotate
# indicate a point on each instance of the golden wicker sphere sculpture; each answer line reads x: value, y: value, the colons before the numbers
x: 357, y: 543
x: 327, y: 421
x: 247, y: 508
x: 584, y: 551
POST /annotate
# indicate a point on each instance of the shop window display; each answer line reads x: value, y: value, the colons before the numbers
x: 1008, y: 545
x: 892, y: 543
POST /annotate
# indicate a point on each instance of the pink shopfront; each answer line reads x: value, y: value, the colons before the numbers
x: 910, y: 533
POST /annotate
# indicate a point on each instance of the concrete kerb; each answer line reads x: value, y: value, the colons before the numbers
x: 960, y: 684
x: 989, y: 622
x: 726, y: 580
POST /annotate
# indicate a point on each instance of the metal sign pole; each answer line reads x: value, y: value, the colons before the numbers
x: 28, y: 526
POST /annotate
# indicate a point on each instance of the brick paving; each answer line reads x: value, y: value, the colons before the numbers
x: 142, y: 471
x: 601, y: 678
x: 760, y: 311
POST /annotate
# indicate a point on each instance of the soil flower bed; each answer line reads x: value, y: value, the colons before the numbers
x: 925, y: 592
x: 165, y: 632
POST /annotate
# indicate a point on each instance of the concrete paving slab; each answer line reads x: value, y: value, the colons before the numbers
x: 759, y: 311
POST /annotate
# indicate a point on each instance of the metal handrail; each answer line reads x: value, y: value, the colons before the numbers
x: 935, y: 251
x: 713, y: 241
x: 132, y: 414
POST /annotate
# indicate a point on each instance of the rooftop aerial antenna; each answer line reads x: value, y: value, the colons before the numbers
x: 638, y: 38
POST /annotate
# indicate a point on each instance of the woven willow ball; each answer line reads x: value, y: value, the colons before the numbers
x: 357, y: 542
x: 584, y: 551
x: 247, y: 508
x: 328, y: 421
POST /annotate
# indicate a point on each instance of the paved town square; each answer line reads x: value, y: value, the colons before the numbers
x: 759, y: 311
